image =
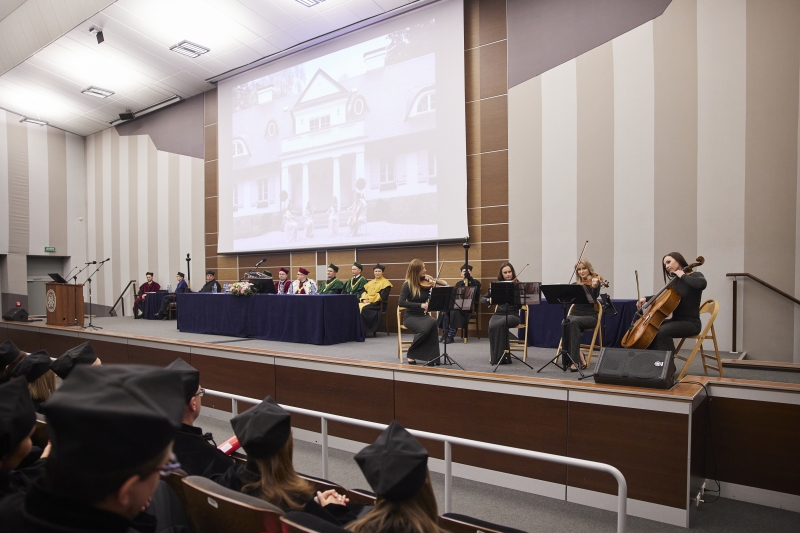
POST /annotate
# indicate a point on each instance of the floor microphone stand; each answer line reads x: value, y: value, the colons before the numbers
x: 89, y: 281
x: 75, y: 302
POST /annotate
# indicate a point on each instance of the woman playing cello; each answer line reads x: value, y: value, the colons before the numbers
x: 685, y: 320
x: 582, y: 316
x: 414, y: 298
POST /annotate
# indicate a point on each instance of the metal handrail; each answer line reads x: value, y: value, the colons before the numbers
x: 622, y: 486
x: 131, y: 282
x: 773, y: 288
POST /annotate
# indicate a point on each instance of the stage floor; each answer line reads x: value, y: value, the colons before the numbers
x: 473, y: 356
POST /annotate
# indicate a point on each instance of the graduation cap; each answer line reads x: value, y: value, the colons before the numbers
x: 190, y: 377
x: 181, y: 274
x: 395, y: 465
x: 267, y: 273
x: 264, y: 429
x: 33, y: 366
x: 8, y: 352
x: 82, y: 354
x: 333, y: 267
x: 379, y: 267
x: 113, y: 418
x: 358, y: 265
x: 17, y: 415
x: 466, y: 267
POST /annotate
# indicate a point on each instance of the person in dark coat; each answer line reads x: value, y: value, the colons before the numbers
x: 459, y: 318
x: 414, y: 299
x: 182, y: 286
x: 196, y: 451
x: 82, y: 354
x: 35, y: 370
x: 211, y: 283
x: 10, y: 356
x: 17, y: 421
x: 265, y: 433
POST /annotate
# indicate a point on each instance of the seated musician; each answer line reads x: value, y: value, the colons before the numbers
x: 459, y: 318
x: 356, y: 284
x: 149, y: 286
x: 163, y: 312
x: 505, y: 316
x: 212, y: 285
x: 34, y: 369
x: 582, y: 316
x: 414, y: 299
x: 685, y: 320
x: 303, y: 284
x: 284, y: 284
x: 332, y: 285
x: 375, y: 292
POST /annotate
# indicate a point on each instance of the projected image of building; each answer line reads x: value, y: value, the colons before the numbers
x: 336, y: 160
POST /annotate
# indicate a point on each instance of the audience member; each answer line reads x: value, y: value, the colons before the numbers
x: 35, y: 368
x: 82, y: 354
x: 10, y: 356
x: 17, y: 421
x: 196, y: 451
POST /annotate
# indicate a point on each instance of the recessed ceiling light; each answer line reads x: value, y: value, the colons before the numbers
x: 309, y: 3
x: 34, y: 121
x: 97, y: 92
x: 190, y: 49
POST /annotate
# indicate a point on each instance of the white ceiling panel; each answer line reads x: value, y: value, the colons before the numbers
x: 364, y: 8
x: 8, y: 6
x: 269, y: 11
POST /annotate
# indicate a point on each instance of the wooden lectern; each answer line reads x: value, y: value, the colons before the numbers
x: 64, y: 302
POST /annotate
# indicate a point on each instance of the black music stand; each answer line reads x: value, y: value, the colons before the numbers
x: 566, y: 295
x: 506, y: 292
x: 442, y: 299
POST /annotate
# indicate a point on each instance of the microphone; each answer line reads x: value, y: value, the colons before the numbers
x: 259, y: 263
x: 92, y: 263
x: 109, y: 259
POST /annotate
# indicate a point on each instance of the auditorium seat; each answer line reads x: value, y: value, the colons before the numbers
x: 174, y: 480
x: 297, y: 522
x: 321, y: 485
x: 459, y: 523
x: 213, y: 508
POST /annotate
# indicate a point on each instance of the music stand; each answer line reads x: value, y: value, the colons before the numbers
x: 566, y: 295
x: 508, y: 293
x: 442, y: 300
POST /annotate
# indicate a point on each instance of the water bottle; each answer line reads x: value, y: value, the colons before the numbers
x: 225, y: 288
x: 214, y: 288
x: 169, y: 288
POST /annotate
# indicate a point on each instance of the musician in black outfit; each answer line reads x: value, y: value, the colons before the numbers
x: 505, y: 316
x: 414, y: 299
x: 685, y: 320
x: 582, y: 316
x: 459, y: 318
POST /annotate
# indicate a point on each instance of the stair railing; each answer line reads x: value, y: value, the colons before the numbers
x: 113, y: 307
x: 735, y: 297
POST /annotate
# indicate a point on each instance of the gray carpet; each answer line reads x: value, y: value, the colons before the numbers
x: 538, y: 513
x: 473, y: 356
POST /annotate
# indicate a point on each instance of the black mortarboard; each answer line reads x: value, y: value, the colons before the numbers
x: 379, y: 267
x: 264, y: 429
x: 181, y: 274
x: 148, y: 273
x: 190, y: 377
x: 8, y: 352
x: 112, y: 418
x: 468, y: 267
x: 210, y: 272
x: 333, y: 267
x: 395, y: 465
x: 358, y: 265
x: 33, y: 366
x: 81, y: 354
x: 17, y: 415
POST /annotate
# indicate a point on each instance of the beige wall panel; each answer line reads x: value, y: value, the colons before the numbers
x: 18, y: 221
x: 210, y: 107
x: 57, y: 170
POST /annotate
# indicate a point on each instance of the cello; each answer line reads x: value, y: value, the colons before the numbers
x: 653, y: 313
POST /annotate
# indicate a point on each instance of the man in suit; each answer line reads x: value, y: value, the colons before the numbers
x: 163, y: 312
x: 149, y: 286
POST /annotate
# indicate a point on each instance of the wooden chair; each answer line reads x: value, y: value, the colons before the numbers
x: 299, y: 522
x: 710, y: 307
x: 213, y: 508
x: 174, y: 480
x: 597, y: 336
x: 402, y: 346
x: 321, y: 485
x: 459, y: 523
x: 520, y: 345
x: 475, y: 319
x: 173, y: 310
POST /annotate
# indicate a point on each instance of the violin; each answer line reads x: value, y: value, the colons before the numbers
x: 594, y: 276
x: 653, y: 313
x: 427, y: 282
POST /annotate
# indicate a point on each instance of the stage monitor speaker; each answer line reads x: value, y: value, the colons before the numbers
x: 17, y: 314
x: 636, y: 368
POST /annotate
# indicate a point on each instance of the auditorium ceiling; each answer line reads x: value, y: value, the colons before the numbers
x: 48, y: 54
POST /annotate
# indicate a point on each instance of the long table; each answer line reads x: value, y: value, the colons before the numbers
x: 311, y: 319
x: 545, y: 324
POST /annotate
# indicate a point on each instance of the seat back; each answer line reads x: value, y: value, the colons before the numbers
x: 458, y: 523
x: 213, y: 508
x: 298, y: 522
x: 402, y: 346
x: 174, y: 480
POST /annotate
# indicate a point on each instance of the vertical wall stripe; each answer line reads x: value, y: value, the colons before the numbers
x: 38, y: 190
x: 152, y: 208
x: 595, y: 92
x: 160, y: 212
x: 116, y: 263
x: 634, y: 160
x: 675, y: 182
x: 105, y: 294
x: 183, y: 207
x: 198, y: 228
x: 123, y: 260
x: 134, y: 272
x: 173, y: 212
x: 559, y: 171
x: 4, y: 211
x: 76, y: 174
x: 91, y: 201
x: 57, y: 185
x: 143, y: 185
x: 18, y: 221
x: 797, y: 248
x: 100, y: 227
x: 721, y: 120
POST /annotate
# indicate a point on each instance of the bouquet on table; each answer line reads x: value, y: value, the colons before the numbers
x: 242, y: 288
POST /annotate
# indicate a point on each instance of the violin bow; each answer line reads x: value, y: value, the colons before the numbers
x: 638, y: 293
x: 521, y: 271
x: 578, y: 261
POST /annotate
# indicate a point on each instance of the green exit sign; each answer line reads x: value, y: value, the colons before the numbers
x: 49, y: 248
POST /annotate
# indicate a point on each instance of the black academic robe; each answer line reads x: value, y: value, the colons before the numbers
x: 209, y: 286
x: 197, y: 455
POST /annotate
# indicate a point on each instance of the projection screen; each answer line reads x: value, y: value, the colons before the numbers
x: 360, y: 140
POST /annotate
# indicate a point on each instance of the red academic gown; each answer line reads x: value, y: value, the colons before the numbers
x: 146, y: 287
x: 286, y: 285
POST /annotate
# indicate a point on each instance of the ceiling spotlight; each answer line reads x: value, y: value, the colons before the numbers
x: 190, y: 49
x: 127, y: 115
x: 309, y: 3
x: 34, y: 121
x: 97, y: 92
x: 97, y: 32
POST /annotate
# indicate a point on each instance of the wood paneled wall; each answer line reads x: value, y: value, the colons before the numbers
x: 485, y: 55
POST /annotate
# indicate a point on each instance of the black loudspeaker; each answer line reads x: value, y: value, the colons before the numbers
x: 636, y: 368
x: 16, y: 314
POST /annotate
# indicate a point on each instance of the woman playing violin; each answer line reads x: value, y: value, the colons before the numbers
x: 582, y: 316
x: 685, y: 320
x: 414, y: 299
x: 505, y: 316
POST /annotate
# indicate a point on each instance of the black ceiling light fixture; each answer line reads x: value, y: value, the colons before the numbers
x: 97, y: 32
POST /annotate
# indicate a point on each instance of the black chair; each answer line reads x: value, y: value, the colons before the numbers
x: 459, y: 523
x: 298, y: 522
x: 384, y: 306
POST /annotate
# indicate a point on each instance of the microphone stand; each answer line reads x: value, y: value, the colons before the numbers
x: 75, y: 301
x: 188, y: 271
x: 252, y: 270
x: 89, y: 281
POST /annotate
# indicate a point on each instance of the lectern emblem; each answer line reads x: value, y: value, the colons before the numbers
x: 51, y: 301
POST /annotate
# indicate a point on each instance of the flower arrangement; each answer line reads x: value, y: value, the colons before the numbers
x: 242, y: 288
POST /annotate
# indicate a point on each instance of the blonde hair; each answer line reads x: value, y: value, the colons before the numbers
x: 413, y: 275
x: 585, y: 262
x: 42, y: 387
x: 418, y: 514
x: 278, y: 481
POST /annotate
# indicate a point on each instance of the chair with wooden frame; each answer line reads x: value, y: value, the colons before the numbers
x: 597, y: 336
x: 300, y: 522
x: 520, y: 345
x: 213, y: 508
x: 475, y: 318
x: 402, y: 346
x: 710, y: 307
x: 459, y: 523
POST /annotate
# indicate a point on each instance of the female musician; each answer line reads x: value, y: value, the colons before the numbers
x: 459, y: 318
x: 414, y: 298
x: 582, y: 316
x: 685, y: 320
x: 505, y: 316
x: 375, y: 293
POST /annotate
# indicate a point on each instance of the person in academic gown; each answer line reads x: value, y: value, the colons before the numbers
x: 414, y: 299
x: 82, y: 354
x: 35, y: 370
x: 376, y: 291
x: 211, y: 282
x: 17, y: 421
x: 355, y: 285
x: 265, y: 433
x: 459, y: 318
x: 332, y: 285
x: 149, y: 286
x: 284, y: 284
x: 196, y: 451
x: 10, y: 356
x: 303, y: 284
x: 182, y: 286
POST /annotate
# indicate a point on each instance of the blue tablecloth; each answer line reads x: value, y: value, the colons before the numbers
x: 152, y: 304
x: 311, y: 319
x: 545, y: 324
